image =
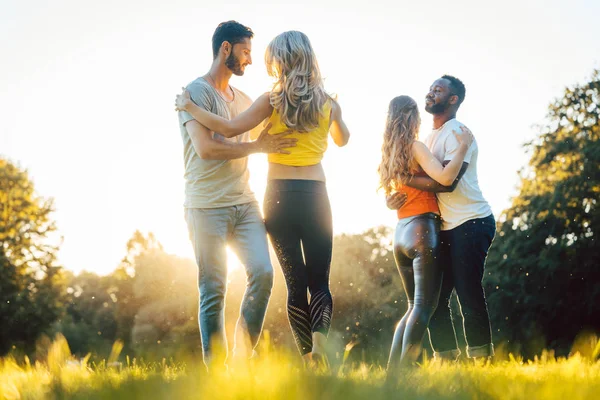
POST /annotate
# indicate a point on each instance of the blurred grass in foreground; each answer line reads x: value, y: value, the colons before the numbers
x: 277, y: 375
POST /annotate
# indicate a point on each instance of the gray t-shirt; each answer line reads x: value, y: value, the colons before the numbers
x: 215, y: 183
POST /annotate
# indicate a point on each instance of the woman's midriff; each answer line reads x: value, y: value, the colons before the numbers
x: 309, y: 172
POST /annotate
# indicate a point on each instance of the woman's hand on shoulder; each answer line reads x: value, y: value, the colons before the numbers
x: 464, y: 139
x: 183, y: 100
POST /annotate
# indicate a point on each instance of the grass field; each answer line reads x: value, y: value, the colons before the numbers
x: 280, y: 376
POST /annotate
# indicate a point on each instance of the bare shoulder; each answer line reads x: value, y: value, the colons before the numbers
x: 264, y: 98
x: 419, y: 147
x: 334, y: 104
x: 336, y: 110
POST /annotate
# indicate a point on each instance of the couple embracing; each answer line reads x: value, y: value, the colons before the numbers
x: 216, y: 122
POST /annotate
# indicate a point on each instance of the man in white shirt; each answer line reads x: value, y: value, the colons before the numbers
x: 468, y: 228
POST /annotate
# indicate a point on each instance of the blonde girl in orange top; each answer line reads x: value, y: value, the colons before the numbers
x: 416, y: 240
x: 296, y: 207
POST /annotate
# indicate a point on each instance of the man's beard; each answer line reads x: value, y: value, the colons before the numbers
x: 437, y: 108
x: 233, y: 63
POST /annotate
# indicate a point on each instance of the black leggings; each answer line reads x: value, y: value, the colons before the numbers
x: 416, y: 246
x: 298, y: 220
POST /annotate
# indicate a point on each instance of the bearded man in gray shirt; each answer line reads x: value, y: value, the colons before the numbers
x: 220, y: 208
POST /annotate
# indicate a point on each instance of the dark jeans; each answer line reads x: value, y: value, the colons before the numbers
x: 463, y: 251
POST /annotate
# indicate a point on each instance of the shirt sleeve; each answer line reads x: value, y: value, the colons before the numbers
x: 200, y: 95
x: 451, y: 146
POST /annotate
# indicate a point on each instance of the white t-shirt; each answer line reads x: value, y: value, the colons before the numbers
x: 466, y: 202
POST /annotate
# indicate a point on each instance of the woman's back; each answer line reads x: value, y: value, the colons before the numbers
x: 417, y: 201
x: 304, y: 160
x: 311, y: 145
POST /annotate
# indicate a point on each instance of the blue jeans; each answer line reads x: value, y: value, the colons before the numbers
x: 463, y: 251
x: 242, y: 228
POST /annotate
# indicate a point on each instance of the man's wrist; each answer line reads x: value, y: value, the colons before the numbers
x: 254, y: 147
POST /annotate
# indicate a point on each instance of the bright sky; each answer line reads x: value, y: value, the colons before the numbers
x: 87, y: 93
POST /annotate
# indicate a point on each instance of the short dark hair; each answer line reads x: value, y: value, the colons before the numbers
x: 230, y: 31
x: 456, y: 87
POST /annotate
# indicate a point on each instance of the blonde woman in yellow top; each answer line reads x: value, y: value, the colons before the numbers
x: 296, y: 207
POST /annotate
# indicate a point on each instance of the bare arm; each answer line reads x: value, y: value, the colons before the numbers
x: 444, y: 174
x: 396, y: 200
x: 258, y: 111
x: 338, y: 130
x: 209, y: 148
x: 430, y: 185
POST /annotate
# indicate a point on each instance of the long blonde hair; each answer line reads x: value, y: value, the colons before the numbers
x: 298, y: 94
x: 401, y: 130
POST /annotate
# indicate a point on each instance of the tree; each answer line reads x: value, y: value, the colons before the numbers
x: 30, y: 281
x: 544, y: 265
x: 156, y: 299
x: 102, y: 309
x: 89, y: 323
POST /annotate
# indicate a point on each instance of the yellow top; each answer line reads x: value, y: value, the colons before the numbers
x: 310, y: 146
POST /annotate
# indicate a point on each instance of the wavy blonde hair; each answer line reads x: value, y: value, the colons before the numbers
x: 298, y: 94
x: 401, y: 130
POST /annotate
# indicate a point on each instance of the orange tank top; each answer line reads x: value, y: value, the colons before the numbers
x: 418, y: 201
